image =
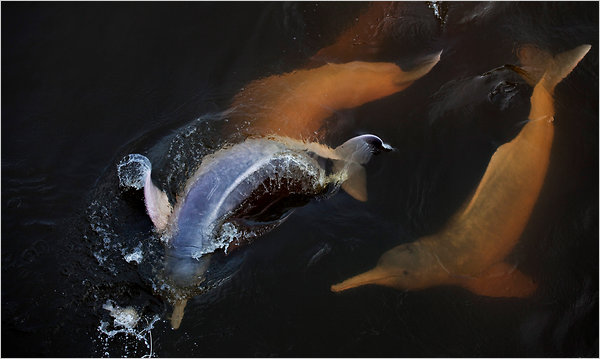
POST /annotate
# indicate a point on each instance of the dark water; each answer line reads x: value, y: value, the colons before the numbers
x: 85, y: 84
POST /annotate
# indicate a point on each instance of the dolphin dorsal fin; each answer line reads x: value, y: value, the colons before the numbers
x: 353, y: 154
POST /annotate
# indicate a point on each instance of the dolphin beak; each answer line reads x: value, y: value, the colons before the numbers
x: 373, y: 276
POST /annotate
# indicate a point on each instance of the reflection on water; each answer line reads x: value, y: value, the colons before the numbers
x: 87, y: 85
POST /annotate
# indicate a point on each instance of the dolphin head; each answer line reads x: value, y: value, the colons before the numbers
x: 184, y: 271
x: 406, y: 266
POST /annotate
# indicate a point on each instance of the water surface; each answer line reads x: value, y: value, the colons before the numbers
x: 86, y: 84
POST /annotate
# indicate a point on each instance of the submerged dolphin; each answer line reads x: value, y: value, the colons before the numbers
x: 470, y: 250
x: 244, y: 190
x: 296, y: 104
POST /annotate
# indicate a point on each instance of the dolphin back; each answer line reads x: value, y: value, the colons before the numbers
x: 240, y: 189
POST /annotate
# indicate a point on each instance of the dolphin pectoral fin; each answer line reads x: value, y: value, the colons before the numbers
x: 501, y: 280
x: 356, y: 184
x: 373, y: 276
x: 178, y: 311
x: 157, y: 203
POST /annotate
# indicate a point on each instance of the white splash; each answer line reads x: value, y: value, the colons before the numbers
x: 126, y: 321
x: 136, y: 256
x: 123, y: 317
x: 132, y: 170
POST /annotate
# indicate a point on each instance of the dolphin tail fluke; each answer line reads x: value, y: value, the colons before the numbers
x: 556, y: 69
x: 534, y: 62
x: 376, y: 275
x: 539, y: 64
x: 562, y: 65
x: 178, y: 311
x: 423, y: 69
x: 501, y: 280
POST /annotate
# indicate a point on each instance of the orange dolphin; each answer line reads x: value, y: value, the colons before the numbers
x: 470, y: 250
x: 365, y: 37
x: 296, y: 104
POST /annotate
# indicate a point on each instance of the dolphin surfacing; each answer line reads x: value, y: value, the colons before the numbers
x: 469, y: 251
x: 243, y: 191
x: 255, y: 184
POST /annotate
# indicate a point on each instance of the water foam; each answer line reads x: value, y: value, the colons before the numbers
x: 127, y: 322
x: 132, y: 170
x: 136, y: 256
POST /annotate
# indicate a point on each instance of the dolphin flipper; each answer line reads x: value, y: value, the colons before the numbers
x: 135, y: 172
x: 157, y: 203
x: 501, y: 280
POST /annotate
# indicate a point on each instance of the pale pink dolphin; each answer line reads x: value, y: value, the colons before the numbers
x: 470, y: 250
x: 296, y: 104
